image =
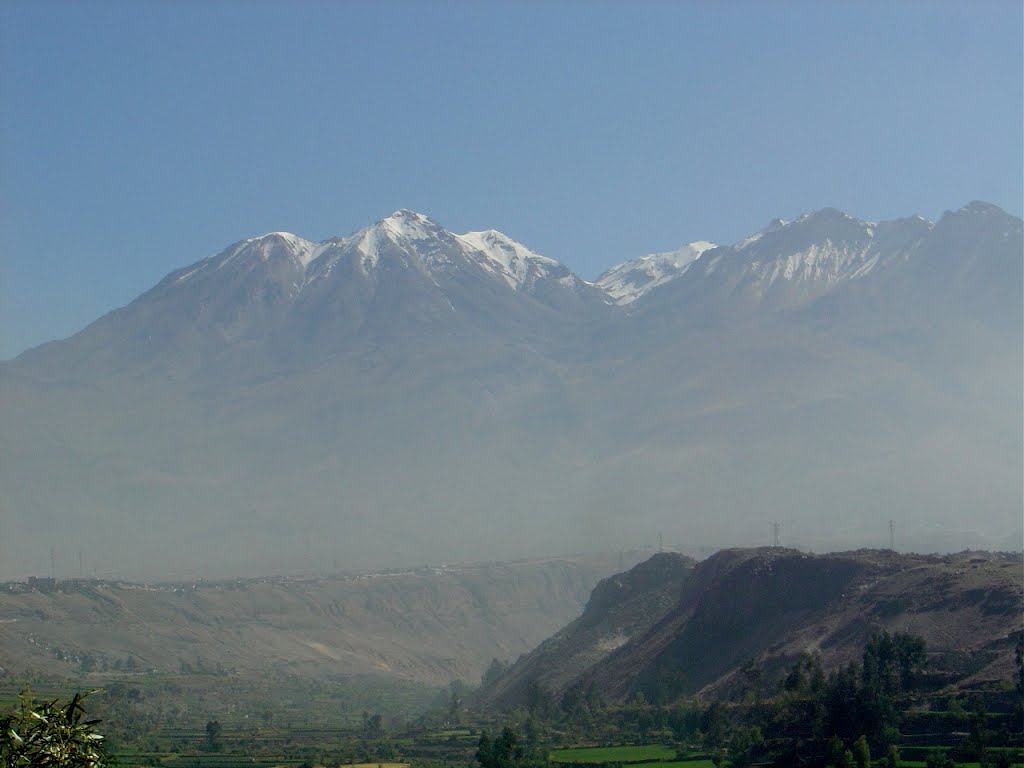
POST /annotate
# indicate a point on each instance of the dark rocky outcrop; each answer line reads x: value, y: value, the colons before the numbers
x: 771, y: 605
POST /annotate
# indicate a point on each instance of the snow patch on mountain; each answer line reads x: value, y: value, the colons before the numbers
x: 406, y: 240
x: 261, y: 248
x: 304, y: 251
x: 186, y: 275
x: 402, y: 228
x: 824, y: 263
x: 633, y: 279
x: 801, y: 260
x: 513, y: 262
x: 794, y: 261
x: 408, y: 225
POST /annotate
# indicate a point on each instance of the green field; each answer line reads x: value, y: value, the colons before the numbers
x: 663, y: 757
x: 614, y: 754
x: 217, y: 761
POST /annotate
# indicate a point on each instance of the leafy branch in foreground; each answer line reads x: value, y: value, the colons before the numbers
x: 50, y: 735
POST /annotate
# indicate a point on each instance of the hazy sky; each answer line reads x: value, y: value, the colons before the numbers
x: 139, y: 137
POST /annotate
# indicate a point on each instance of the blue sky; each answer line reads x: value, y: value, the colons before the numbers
x: 138, y: 137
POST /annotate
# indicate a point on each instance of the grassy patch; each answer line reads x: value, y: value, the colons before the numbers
x: 220, y: 761
x: 639, y: 754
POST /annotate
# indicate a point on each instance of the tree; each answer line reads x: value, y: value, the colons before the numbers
x: 1018, y: 680
x: 751, y: 674
x: 867, y: 699
x: 669, y: 684
x: 502, y: 752
x: 213, y: 731
x: 837, y: 753
x: 494, y: 671
x: 978, y: 737
x: 744, y: 745
x: 373, y: 725
x: 714, y: 726
x: 842, y: 702
x: 485, y: 750
x: 861, y: 753
x: 796, y: 680
x: 533, y: 742
x: 454, y: 707
x: 50, y: 735
x: 538, y: 700
x: 508, y: 751
x: 939, y: 758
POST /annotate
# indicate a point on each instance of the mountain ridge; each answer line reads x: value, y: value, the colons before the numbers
x: 806, y: 261
x: 348, y: 390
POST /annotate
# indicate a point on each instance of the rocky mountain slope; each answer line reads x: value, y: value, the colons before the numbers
x: 771, y: 605
x: 432, y: 625
x: 406, y: 394
x: 621, y: 607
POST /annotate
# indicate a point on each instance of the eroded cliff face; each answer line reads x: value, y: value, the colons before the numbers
x: 770, y: 605
x: 621, y: 607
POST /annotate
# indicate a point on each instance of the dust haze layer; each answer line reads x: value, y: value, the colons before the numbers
x: 407, y: 395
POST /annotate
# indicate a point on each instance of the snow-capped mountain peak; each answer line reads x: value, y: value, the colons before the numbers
x: 408, y: 225
x: 304, y: 251
x: 403, y: 228
x: 785, y: 264
x: 633, y: 279
x: 789, y: 264
x: 267, y: 248
x: 512, y: 261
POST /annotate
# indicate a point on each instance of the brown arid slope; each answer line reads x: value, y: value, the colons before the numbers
x: 430, y: 625
x: 621, y: 607
x: 770, y: 605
